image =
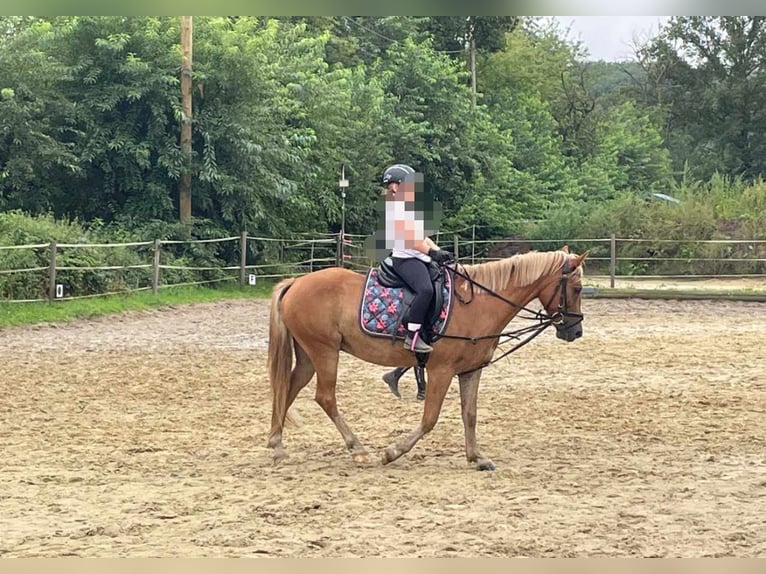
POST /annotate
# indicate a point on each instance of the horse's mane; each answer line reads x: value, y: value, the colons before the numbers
x: 519, y: 270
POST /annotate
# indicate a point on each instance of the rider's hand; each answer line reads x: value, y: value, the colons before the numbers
x: 441, y: 256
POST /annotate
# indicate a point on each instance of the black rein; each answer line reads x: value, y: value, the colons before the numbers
x: 544, y: 320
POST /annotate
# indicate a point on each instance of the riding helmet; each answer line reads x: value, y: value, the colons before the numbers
x: 396, y: 173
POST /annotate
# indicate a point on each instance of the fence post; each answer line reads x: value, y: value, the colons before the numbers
x: 311, y: 258
x: 242, y: 258
x: 339, y: 251
x: 156, y: 267
x: 473, y: 244
x: 455, y: 239
x: 52, y: 272
x: 612, y: 260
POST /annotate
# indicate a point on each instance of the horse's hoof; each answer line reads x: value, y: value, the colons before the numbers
x: 421, y: 396
x: 389, y: 455
x: 486, y: 465
x: 274, y: 441
x: 360, y: 458
x: 279, y: 455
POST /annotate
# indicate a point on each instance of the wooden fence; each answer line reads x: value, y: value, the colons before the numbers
x: 159, y: 264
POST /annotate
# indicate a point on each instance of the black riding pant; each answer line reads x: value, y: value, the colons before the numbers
x: 415, y: 274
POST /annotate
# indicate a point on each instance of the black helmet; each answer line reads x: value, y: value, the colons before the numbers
x: 396, y: 173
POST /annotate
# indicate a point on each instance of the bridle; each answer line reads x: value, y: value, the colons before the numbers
x: 562, y: 311
x: 544, y: 320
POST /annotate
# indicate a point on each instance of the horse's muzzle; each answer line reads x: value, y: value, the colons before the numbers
x: 569, y: 331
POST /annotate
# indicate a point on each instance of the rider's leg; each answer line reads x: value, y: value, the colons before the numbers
x: 414, y: 273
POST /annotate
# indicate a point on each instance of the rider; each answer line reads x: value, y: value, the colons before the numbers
x: 412, y: 250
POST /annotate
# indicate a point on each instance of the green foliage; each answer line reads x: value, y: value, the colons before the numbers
x: 703, y: 71
x: 714, y: 210
x: 452, y: 33
x: 17, y: 228
x: 36, y: 121
x: 464, y: 156
x: 629, y: 153
x: 90, y: 114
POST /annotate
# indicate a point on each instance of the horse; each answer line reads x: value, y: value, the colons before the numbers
x: 316, y: 316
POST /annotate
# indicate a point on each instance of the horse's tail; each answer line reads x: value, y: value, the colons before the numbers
x: 280, y: 362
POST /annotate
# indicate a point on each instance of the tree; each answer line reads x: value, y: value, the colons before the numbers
x: 121, y: 78
x: 707, y: 73
x: 452, y: 33
x: 472, y: 34
x: 465, y: 157
x: 37, y: 124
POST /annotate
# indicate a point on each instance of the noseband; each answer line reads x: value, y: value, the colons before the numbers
x: 562, y: 311
x: 544, y: 320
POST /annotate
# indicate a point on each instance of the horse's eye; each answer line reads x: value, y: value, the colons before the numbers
x: 577, y: 290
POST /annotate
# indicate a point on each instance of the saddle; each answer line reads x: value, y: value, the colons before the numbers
x: 386, y: 299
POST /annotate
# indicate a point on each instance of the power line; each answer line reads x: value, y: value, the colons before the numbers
x: 395, y: 41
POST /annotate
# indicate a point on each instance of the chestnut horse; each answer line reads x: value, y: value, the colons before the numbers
x: 316, y: 316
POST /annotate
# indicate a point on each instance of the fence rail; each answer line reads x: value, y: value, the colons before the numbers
x: 58, y: 270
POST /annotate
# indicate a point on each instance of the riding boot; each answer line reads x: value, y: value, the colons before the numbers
x: 391, y: 378
x: 413, y: 342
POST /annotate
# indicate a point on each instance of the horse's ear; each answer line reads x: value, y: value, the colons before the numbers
x: 565, y: 249
x: 579, y: 259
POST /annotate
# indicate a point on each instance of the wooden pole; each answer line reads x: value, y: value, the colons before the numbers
x: 455, y: 239
x: 52, y: 272
x: 184, y: 186
x: 156, y: 267
x: 242, y: 258
x: 612, y: 260
x: 311, y: 260
x: 472, y: 57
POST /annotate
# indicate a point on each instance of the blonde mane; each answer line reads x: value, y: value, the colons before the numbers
x: 519, y: 270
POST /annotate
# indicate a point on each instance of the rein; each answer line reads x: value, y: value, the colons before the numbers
x: 544, y: 320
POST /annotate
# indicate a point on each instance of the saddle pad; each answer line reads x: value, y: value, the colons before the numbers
x: 382, y: 306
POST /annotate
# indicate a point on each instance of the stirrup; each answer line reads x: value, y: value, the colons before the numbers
x: 414, y: 343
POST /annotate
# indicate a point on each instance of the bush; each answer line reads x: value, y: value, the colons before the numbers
x: 17, y: 228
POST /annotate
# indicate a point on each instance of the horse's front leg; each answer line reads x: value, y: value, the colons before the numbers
x: 436, y: 390
x: 469, y: 392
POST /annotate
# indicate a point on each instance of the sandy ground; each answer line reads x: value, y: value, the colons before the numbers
x: 710, y: 284
x: 144, y: 435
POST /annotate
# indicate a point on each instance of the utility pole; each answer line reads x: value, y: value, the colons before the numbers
x: 184, y: 186
x: 472, y: 56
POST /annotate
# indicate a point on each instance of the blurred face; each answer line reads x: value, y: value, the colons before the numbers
x: 406, y: 191
x: 403, y: 191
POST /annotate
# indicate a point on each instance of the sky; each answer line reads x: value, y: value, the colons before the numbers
x: 610, y: 38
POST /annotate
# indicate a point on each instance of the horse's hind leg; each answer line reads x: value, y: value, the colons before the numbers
x: 299, y: 378
x: 301, y: 374
x: 326, y: 365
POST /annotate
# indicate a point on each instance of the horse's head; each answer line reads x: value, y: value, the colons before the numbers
x: 561, y: 297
